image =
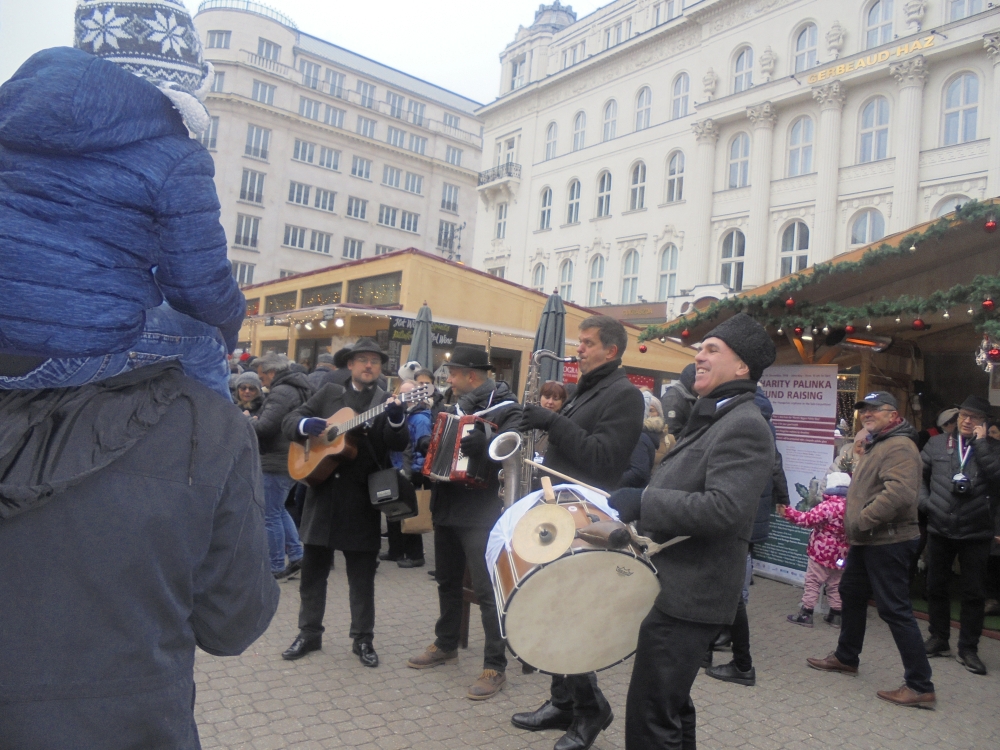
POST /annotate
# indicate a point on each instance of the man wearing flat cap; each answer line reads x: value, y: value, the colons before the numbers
x: 880, y: 519
x: 338, y: 514
x: 463, y: 517
x: 708, y: 488
x: 958, y: 494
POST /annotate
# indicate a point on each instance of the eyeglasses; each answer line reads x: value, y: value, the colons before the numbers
x: 873, y: 409
x: 966, y: 417
x: 248, y: 388
x: 368, y: 360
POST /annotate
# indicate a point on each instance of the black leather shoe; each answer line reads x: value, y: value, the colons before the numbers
x: 971, y: 661
x: 366, y: 654
x: 294, y: 566
x: 935, y: 646
x: 731, y: 673
x: 723, y: 640
x: 584, y: 730
x: 302, y: 646
x: 546, y: 717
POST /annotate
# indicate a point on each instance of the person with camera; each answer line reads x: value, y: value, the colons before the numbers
x: 880, y: 519
x: 960, y: 470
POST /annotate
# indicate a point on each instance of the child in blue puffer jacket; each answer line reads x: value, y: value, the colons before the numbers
x: 111, y: 251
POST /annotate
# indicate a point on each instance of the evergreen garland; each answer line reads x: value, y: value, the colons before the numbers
x: 769, y: 309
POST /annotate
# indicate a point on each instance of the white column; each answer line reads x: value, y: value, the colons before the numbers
x: 700, y: 176
x: 755, y: 267
x: 822, y: 239
x: 910, y: 75
x: 992, y: 44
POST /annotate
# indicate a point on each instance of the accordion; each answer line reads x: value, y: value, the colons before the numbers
x: 445, y: 461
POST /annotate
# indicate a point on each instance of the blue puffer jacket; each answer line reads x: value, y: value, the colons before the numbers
x: 106, y: 207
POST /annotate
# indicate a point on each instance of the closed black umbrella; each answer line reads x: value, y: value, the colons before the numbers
x: 421, y: 346
x: 551, y: 335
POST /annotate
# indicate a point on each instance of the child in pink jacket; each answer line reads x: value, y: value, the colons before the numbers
x: 827, y: 549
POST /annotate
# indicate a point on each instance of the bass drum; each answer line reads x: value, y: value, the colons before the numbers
x: 579, y: 613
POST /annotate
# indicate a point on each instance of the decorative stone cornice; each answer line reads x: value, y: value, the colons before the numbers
x: 763, y: 115
x: 912, y: 72
x: 830, y: 95
x: 706, y: 131
x: 991, y: 42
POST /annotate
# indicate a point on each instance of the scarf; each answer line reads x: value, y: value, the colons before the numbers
x: 706, y: 408
x: 590, y: 379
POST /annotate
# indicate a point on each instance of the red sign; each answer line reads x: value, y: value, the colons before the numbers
x: 571, y: 372
x: 642, y: 381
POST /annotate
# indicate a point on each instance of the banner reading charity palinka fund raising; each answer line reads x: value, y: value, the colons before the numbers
x: 804, y: 398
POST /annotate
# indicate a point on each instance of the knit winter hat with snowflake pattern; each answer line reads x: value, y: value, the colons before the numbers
x: 155, y: 40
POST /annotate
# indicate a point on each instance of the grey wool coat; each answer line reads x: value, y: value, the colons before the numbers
x: 708, y: 488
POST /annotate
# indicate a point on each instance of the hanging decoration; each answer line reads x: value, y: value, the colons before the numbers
x: 988, y: 354
x: 990, y: 225
x: 919, y: 325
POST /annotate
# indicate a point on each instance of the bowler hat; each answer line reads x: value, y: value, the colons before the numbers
x: 472, y: 357
x: 977, y: 404
x: 362, y: 346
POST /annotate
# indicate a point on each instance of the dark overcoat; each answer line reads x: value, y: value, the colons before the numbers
x: 959, y: 516
x: 708, y: 487
x: 338, y: 513
x: 288, y: 391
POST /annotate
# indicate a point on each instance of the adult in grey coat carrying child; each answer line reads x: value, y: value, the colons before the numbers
x: 708, y: 488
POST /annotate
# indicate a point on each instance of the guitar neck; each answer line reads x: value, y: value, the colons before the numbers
x: 361, y: 419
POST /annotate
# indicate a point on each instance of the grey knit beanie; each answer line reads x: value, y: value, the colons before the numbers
x: 248, y: 378
x: 749, y: 340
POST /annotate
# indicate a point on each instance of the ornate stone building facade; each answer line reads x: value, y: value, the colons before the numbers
x: 660, y: 151
x: 324, y: 156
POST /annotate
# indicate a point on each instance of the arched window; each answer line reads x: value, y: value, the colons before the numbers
x: 604, y: 194
x: 948, y: 205
x: 610, y: 119
x: 679, y: 96
x: 739, y: 161
x: 538, y: 278
x: 805, y: 48
x: 675, y: 177
x: 637, y: 190
x: 573, y: 206
x: 643, y: 103
x: 734, y: 248
x: 595, y: 294
x: 800, y: 147
x: 545, y: 216
x: 579, y: 131
x: 878, y: 24
x: 794, y: 248
x: 874, y: 130
x: 961, y: 108
x: 959, y: 9
x: 566, y: 280
x: 550, y: 141
x: 743, y: 72
x: 868, y: 226
x: 668, y: 272
x: 630, y: 277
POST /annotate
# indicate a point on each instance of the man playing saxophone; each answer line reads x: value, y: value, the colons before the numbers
x: 463, y: 517
x: 590, y: 439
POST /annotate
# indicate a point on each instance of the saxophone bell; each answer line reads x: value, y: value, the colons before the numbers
x: 506, y: 450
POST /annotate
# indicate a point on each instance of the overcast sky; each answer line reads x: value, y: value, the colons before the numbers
x: 453, y: 43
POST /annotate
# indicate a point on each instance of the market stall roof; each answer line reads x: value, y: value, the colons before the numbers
x: 933, y: 272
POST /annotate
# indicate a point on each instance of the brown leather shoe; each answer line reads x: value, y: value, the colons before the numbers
x: 490, y: 683
x: 905, y: 696
x: 831, y: 664
x: 432, y: 657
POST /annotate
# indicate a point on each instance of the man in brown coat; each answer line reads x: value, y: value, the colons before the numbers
x: 881, y: 524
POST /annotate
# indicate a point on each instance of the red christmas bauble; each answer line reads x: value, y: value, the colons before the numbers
x: 799, y: 330
x: 848, y: 329
x: 988, y: 304
x: 919, y: 325
x: 643, y: 348
x: 993, y: 354
x: 991, y: 225
x: 789, y: 303
x: 685, y: 334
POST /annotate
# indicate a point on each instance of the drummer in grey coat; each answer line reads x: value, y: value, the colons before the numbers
x: 708, y: 488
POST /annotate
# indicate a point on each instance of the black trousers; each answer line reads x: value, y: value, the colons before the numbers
x: 578, y: 693
x: 740, y: 633
x: 360, y: 582
x: 659, y: 713
x: 454, y: 548
x: 410, y: 546
x: 973, y: 558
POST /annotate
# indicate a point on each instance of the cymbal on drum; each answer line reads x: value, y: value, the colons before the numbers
x: 544, y: 534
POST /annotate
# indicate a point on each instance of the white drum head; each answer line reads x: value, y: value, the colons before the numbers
x: 580, y: 613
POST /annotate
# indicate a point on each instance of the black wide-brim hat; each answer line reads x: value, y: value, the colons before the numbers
x: 472, y: 357
x: 342, y: 357
x: 976, y: 404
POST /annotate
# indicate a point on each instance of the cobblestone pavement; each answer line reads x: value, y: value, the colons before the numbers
x: 328, y: 700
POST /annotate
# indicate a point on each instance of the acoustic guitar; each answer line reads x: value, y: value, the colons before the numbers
x: 315, y: 460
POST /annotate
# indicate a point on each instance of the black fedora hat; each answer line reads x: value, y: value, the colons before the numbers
x: 342, y: 357
x: 471, y: 357
x: 976, y: 404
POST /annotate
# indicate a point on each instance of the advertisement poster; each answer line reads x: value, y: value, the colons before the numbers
x: 805, y: 415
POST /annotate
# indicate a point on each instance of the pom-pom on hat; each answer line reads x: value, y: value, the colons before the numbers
x: 155, y: 40
x: 749, y: 340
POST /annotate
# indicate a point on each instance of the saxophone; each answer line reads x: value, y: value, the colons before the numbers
x: 510, y: 449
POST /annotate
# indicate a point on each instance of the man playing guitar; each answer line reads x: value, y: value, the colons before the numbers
x: 338, y: 514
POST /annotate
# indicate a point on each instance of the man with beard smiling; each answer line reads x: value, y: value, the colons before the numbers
x: 707, y: 488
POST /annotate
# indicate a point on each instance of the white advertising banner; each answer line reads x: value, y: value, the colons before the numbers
x: 804, y: 398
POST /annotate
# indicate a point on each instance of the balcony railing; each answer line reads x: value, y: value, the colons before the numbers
x: 500, y: 172
x: 266, y: 63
